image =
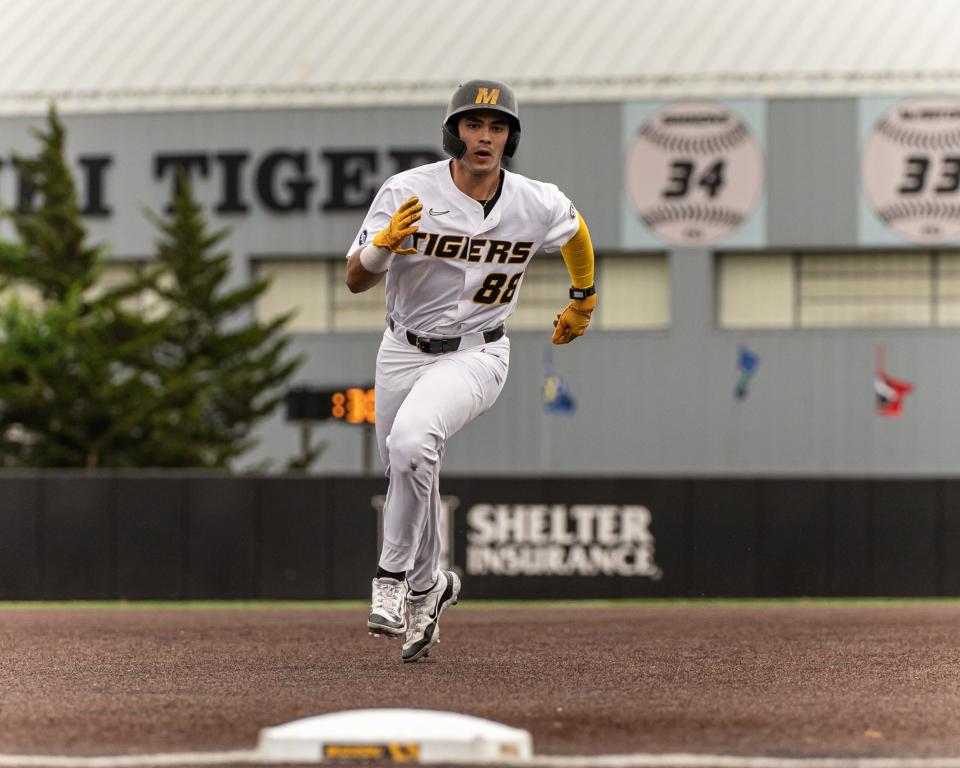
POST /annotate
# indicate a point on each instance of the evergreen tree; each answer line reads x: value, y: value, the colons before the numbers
x: 54, y: 256
x: 87, y: 380
x: 222, y: 369
x: 75, y: 382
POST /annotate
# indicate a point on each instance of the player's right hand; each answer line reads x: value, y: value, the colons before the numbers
x: 400, y: 227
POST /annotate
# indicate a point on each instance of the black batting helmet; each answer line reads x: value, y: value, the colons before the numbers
x: 480, y: 94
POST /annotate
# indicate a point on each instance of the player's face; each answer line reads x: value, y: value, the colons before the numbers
x: 485, y: 133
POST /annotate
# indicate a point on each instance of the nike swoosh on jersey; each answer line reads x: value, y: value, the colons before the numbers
x: 436, y: 213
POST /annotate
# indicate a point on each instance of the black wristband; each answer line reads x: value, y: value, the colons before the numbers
x: 582, y: 293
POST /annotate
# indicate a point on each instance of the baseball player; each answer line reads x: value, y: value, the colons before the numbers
x: 454, y: 239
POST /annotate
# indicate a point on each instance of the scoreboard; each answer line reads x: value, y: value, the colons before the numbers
x: 349, y: 405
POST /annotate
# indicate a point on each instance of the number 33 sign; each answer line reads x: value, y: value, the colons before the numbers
x: 911, y: 169
x: 694, y: 172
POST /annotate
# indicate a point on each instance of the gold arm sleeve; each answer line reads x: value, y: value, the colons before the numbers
x: 578, y: 256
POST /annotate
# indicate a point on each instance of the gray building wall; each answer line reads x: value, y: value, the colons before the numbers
x: 554, y: 149
x: 812, y: 172
x: 649, y: 403
x: 661, y: 403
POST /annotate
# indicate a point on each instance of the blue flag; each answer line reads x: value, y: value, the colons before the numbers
x: 747, y: 363
x: 556, y: 394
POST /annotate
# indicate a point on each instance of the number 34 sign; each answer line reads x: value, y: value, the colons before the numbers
x: 694, y: 172
x: 911, y: 169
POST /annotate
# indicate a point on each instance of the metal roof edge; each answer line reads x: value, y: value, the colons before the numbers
x: 658, y: 87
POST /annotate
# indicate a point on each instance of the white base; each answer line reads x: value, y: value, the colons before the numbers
x: 395, y: 735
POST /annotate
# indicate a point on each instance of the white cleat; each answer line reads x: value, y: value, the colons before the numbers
x: 424, y: 611
x: 388, y: 608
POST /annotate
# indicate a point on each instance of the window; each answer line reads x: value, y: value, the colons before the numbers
x: 756, y: 290
x: 365, y: 311
x: 948, y: 289
x: 544, y: 293
x: 316, y: 290
x: 634, y: 291
x: 634, y: 294
x: 301, y: 286
x: 866, y: 289
x: 116, y: 273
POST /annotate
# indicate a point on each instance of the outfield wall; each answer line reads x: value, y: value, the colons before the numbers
x: 157, y: 536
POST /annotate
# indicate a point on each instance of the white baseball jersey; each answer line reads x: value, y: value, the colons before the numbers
x: 467, y: 272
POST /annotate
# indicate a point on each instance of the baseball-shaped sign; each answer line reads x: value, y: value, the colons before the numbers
x: 694, y: 172
x: 911, y: 169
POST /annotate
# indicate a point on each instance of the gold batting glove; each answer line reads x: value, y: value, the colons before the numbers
x: 400, y: 227
x: 573, y: 320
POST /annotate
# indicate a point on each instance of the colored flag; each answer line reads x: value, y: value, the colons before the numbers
x: 747, y: 363
x: 556, y: 394
x: 889, y: 391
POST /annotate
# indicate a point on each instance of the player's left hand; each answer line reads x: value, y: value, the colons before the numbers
x: 573, y: 320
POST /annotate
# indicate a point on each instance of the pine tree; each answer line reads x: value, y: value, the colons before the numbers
x: 229, y: 367
x: 75, y: 382
x: 87, y: 380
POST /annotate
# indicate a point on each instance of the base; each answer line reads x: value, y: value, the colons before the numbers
x: 395, y: 735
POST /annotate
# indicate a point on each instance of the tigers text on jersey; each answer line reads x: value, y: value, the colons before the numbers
x: 466, y: 274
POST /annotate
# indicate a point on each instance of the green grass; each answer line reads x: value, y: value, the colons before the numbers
x: 321, y: 605
x: 692, y: 602
x: 200, y: 605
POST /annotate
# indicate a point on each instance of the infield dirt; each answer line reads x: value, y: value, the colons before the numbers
x: 785, y: 680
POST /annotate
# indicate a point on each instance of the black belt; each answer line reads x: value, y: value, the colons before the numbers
x: 439, y: 346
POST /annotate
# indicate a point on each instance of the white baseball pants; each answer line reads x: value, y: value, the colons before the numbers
x: 422, y: 400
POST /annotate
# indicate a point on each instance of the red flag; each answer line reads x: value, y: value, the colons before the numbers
x: 890, y: 391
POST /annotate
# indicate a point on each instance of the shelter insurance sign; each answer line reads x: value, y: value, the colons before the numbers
x: 534, y: 538
x: 560, y: 540
x: 694, y: 173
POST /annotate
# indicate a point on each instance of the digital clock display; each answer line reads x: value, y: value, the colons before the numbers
x: 350, y: 405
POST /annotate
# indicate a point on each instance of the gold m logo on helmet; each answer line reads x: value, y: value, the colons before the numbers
x: 487, y: 95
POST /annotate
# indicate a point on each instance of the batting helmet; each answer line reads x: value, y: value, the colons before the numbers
x: 480, y: 94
